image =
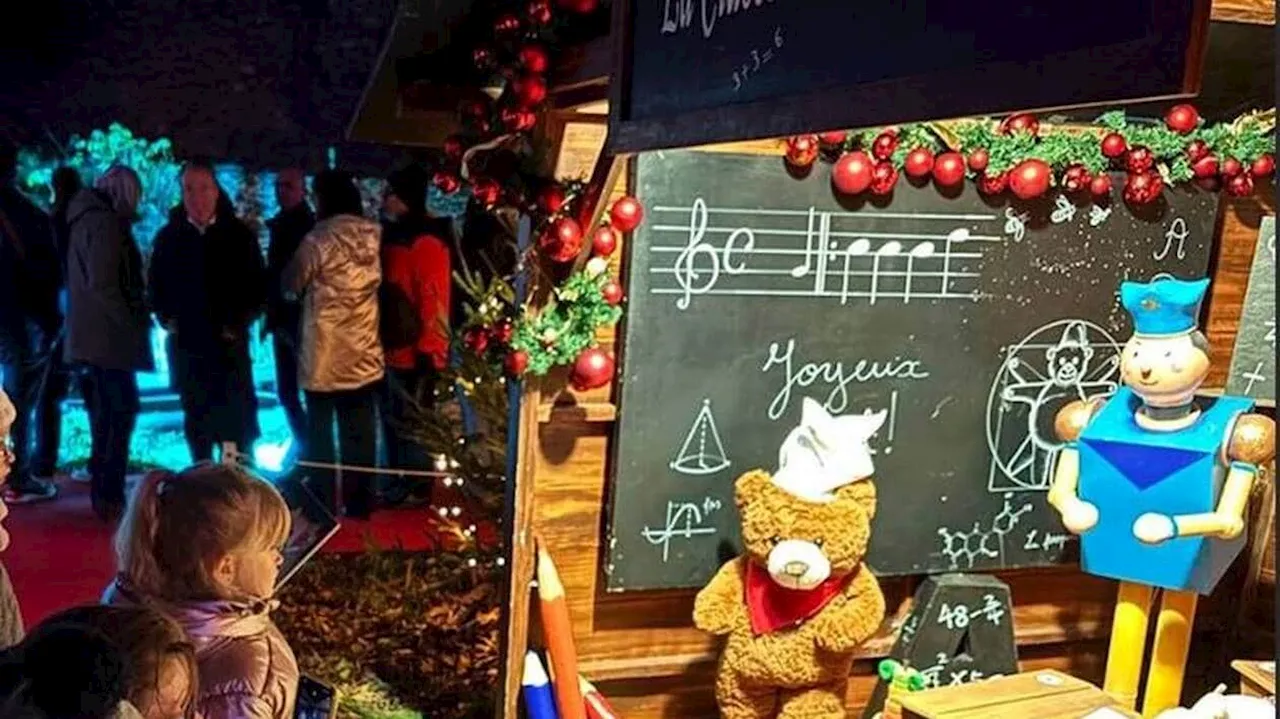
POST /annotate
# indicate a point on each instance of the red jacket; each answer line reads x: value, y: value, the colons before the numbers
x: 421, y: 270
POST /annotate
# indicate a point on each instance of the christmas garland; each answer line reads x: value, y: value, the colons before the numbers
x: 511, y: 67
x: 1015, y: 154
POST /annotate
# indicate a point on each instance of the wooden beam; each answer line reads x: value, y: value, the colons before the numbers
x: 1257, y: 12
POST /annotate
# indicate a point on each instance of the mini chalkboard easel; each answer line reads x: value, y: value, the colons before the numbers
x: 959, y: 630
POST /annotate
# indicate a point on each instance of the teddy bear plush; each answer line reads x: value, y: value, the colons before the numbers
x: 1217, y: 704
x: 798, y: 601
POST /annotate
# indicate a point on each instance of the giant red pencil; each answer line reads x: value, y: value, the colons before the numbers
x: 597, y: 707
x: 558, y: 633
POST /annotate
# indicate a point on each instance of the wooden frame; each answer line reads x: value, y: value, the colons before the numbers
x: 953, y: 93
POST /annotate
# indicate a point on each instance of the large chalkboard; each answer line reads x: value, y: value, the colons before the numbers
x: 693, y: 72
x: 970, y: 322
x: 1253, y: 363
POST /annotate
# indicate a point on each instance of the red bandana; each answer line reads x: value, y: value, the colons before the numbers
x: 772, y: 606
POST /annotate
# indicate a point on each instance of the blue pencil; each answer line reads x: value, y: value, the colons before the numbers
x: 539, y: 701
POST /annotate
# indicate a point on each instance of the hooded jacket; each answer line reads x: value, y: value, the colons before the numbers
x: 337, y: 272
x: 247, y: 669
x: 107, y: 321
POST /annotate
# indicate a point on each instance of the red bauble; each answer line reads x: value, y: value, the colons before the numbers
x: 593, y: 368
x: 516, y: 363
x: 604, y: 241
x: 486, y: 191
x: 581, y: 7
x: 979, y: 159
x: 562, y: 241
x: 1100, y: 186
x: 993, y: 184
x: 506, y: 24
x: 1231, y: 167
x: 482, y: 57
x: 1114, y: 145
x: 454, y: 147
x: 918, y: 163
x: 538, y: 12
x: 1030, y: 179
x: 1139, y: 160
x: 476, y: 339
x: 1022, y: 122
x: 533, y: 59
x: 802, y: 150
x: 446, y: 182
x: 1206, y: 166
x: 832, y: 140
x: 1076, y: 178
x: 1241, y: 185
x: 1182, y: 119
x: 1196, y: 149
x: 503, y: 330
x: 948, y: 169
x: 529, y: 90
x: 1141, y: 188
x: 611, y: 291
x: 551, y: 199
x: 852, y: 173
x: 1263, y: 166
x: 515, y: 120
x: 883, y: 177
x: 626, y: 214
x: 883, y: 146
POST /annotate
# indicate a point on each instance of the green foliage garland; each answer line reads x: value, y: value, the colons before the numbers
x: 557, y: 333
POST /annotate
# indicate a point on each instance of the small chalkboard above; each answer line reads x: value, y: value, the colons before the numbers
x: 692, y: 72
x: 1253, y: 363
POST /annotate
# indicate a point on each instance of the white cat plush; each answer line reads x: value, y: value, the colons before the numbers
x: 1220, y: 705
x: 824, y: 453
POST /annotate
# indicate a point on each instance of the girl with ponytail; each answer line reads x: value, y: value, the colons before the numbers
x: 203, y: 546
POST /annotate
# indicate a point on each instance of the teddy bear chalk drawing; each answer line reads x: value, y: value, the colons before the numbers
x: 795, y: 605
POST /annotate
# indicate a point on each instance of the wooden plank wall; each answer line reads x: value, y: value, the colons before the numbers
x: 641, y: 648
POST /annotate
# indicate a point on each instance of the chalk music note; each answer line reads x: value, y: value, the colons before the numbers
x: 919, y: 252
x: 1015, y: 224
x: 686, y: 271
x: 1098, y: 215
x: 801, y: 270
x: 960, y: 234
x: 857, y: 248
x: 1064, y: 210
x: 888, y: 249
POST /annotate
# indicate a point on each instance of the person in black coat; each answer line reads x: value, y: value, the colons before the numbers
x: 30, y: 320
x: 108, y: 336
x: 206, y: 282
x: 287, y: 228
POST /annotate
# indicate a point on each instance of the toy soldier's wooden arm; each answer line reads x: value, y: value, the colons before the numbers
x: 1069, y: 423
x: 1252, y: 443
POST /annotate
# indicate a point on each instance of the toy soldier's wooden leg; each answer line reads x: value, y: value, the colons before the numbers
x: 1169, y: 656
x: 1128, y: 642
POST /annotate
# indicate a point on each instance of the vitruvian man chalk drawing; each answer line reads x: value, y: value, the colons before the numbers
x: 702, y: 452
x: 1055, y: 364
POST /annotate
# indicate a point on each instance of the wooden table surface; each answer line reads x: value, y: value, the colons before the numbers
x: 1041, y: 694
x: 1257, y: 678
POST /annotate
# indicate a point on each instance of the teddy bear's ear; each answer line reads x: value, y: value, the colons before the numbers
x: 750, y: 487
x: 863, y: 492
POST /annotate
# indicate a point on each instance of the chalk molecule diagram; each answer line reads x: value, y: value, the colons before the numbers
x: 1057, y: 363
x: 964, y: 549
x: 702, y: 452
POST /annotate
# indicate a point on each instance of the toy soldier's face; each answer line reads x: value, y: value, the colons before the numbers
x: 1164, y: 371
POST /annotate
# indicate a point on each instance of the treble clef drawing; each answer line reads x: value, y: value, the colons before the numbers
x: 692, y: 280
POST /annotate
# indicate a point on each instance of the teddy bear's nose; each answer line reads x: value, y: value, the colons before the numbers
x: 795, y: 569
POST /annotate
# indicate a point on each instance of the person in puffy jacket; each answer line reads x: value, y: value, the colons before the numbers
x: 203, y: 547
x: 336, y: 273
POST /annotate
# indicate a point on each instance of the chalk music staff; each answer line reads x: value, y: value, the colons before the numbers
x: 719, y: 251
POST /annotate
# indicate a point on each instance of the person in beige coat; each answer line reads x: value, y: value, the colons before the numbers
x: 336, y: 273
x: 10, y: 614
x: 203, y: 547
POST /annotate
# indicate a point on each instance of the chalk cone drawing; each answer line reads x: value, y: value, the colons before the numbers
x: 702, y: 452
x: 1055, y: 364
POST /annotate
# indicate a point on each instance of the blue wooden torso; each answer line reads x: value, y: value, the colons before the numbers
x: 1127, y: 471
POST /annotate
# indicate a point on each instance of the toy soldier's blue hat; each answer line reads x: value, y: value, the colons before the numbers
x: 1164, y: 306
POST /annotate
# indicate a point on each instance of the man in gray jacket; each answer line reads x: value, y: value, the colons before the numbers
x: 108, y: 332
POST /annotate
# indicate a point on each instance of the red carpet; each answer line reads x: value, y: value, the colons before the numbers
x: 61, y: 553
